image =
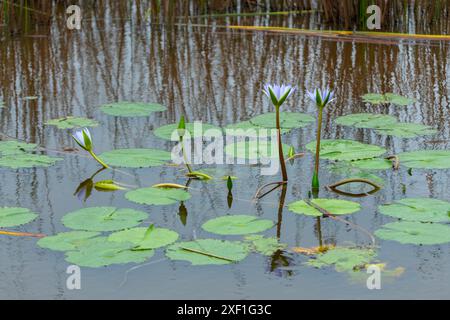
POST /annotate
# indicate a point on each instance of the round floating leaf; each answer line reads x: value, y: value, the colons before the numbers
x: 418, y: 209
x: 195, y: 131
x: 27, y: 160
x: 346, y: 150
x: 372, y: 164
x: 376, y: 98
x: 72, y: 122
x: 344, y: 259
x: 146, y: 238
x: 418, y: 233
x: 426, y: 159
x: 208, y: 252
x: 366, y: 120
x: 13, y: 217
x: 237, y: 225
x: 15, y: 147
x: 131, y: 109
x: 335, y: 207
x: 288, y: 120
x: 265, y: 246
x: 104, y: 253
x: 66, y: 241
x: 103, y: 219
x: 136, y: 158
x: 255, y: 150
x: 405, y: 130
x: 248, y: 129
x: 157, y: 196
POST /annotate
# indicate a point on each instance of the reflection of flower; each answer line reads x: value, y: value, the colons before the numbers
x: 84, y: 190
x: 278, y: 94
x: 321, y: 97
x: 84, y: 139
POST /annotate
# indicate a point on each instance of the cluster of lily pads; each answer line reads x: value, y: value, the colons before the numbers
x: 102, y: 236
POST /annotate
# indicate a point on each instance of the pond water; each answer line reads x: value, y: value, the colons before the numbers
x: 214, y: 75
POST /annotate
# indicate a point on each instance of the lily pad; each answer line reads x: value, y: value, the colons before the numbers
x: 237, y: 225
x: 426, y: 159
x: 146, y: 238
x: 406, y: 130
x: 166, y: 132
x: 66, y: 241
x: 104, y: 253
x: 208, y: 252
x: 103, y: 219
x: 366, y: 120
x: 388, y: 98
x: 13, y: 217
x: 344, y: 259
x: 417, y: 233
x: 72, y: 122
x: 16, y: 155
x: 12, y: 147
x: 136, y: 158
x: 157, y: 196
x: 288, y: 120
x: 132, y: 109
x: 335, y: 207
x: 346, y: 150
x: 418, y: 209
x: 255, y: 150
x: 265, y: 246
x: 248, y: 129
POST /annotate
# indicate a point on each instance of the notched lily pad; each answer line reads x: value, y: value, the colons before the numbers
x: 136, y: 158
x: 66, y: 241
x: 146, y: 238
x: 335, y: 207
x: 13, y: 217
x: 208, y: 252
x: 346, y: 150
x: 426, y: 159
x: 157, y: 196
x: 72, y: 122
x: 417, y: 233
x: 237, y: 225
x: 103, y: 219
x: 131, y: 109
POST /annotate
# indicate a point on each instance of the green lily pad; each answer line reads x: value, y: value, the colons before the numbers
x: 406, y: 130
x: 418, y: 209
x: 136, y: 158
x: 13, y: 217
x: 17, y: 155
x: 132, y: 109
x: 349, y: 172
x: 426, y: 159
x: 13, y: 147
x: 72, y: 122
x: 146, y: 238
x: 157, y: 196
x: 265, y: 246
x: 237, y: 225
x: 335, y: 207
x: 103, y: 219
x: 418, y: 233
x: 346, y: 150
x: 166, y: 132
x: 344, y: 259
x: 366, y: 120
x: 208, y: 252
x: 104, y: 253
x: 388, y: 98
x: 66, y: 241
x: 248, y: 129
x: 372, y: 164
x: 288, y: 120
x: 255, y: 150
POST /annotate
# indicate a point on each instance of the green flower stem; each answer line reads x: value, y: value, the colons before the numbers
x: 315, y: 182
x: 98, y: 159
x: 185, y: 156
x: 280, y: 146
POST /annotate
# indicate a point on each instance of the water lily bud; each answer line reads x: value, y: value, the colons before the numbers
x: 84, y: 139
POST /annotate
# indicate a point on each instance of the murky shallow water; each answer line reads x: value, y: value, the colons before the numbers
x: 216, y: 76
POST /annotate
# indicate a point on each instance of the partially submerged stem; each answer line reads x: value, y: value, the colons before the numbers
x: 184, y: 155
x: 280, y: 147
x: 315, y: 181
x: 276, y: 184
x: 98, y: 159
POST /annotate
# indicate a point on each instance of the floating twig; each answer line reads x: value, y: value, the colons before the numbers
x: 207, y: 254
x: 22, y: 234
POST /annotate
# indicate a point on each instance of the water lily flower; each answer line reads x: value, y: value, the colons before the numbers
x: 278, y: 94
x: 84, y: 139
x: 321, y: 97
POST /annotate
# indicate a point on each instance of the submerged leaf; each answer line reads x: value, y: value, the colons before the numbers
x: 13, y: 217
x: 237, y: 225
x: 131, y: 109
x: 418, y: 233
x: 418, y: 209
x: 335, y: 207
x: 136, y: 158
x: 157, y: 196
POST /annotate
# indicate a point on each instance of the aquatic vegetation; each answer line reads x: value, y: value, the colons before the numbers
x: 103, y: 219
x: 265, y: 246
x: 170, y: 132
x: 344, y: 259
x: 333, y: 206
x: 13, y: 217
x: 67, y: 241
x: 321, y: 98
x: 237, y: 225
x: 253, y: 150
x: 418, y: 233
x: 84, y: 139
x: 426, y: 159
x: 157, y: 196
x: 388, y: 98
x: 346, y: 150
x: 288, y: 120
x: 366, y: 120
x: 108, y: 185
x: 131, y: 109
x: 72, y: 123
x: 136, y: 158
x: 146, y: 238
x: 208, y: 252
x: 418, y: 209
x: 17, y: 155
